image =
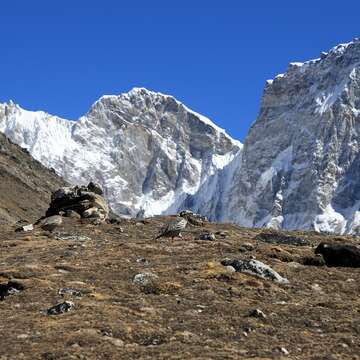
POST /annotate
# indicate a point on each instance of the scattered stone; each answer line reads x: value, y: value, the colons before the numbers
x: 141, y: 260
x: 92, y: 221
x: 222, y: 234
x: 61, y: 308
x: 339, y: 255
x: 246, y: 247
x: 93, y: 212
x: 72, y: 214
x: 284, y: 351
x: 257, y: 313
x: 71, y: 237
x: 114, y: 341
x: 230, y: 269
x: 25, y: 228
x: 274, y: 237
x: 11, y: 288
x: 209, y: 236
x: 316, y: 287
x: 148, y: 282
x: 70, y: 291
x: 257, y: 268
x: 50, y: 223
x: 114, y: 220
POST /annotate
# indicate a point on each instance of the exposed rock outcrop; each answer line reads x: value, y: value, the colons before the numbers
x: 85, y: 201
x: 301, y: 158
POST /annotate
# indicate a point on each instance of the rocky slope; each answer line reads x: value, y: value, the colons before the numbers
x: 148, y: 151
x: 25, y: 184
x: 193, y: 309
x: 301, y: 159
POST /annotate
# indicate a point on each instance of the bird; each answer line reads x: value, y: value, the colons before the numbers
x: 173, y: 228
x: 339, y: 255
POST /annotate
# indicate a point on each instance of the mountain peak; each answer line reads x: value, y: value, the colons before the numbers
x: 149, y: 152
x: 152, y: 102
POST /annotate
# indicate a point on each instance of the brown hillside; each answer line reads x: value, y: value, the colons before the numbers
x: 25, y: 185
x: 196, y: 309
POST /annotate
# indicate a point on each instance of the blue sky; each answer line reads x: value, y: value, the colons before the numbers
x: 60, y: 56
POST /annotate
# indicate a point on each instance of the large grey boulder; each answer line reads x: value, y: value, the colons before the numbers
x: 256, y: 268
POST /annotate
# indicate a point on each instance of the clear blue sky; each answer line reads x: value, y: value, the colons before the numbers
x: 60, y: 56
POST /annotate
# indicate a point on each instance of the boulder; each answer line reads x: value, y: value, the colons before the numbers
x: 255, y: 267
x: 60, y: 308
x: 209, y: 236
x: 50, y: 223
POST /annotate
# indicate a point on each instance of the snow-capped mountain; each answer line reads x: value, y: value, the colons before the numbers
x: 299, y: 167
x: 301, y: 160
x: 149, y: 152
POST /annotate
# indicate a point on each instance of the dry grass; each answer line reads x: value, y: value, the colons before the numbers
x: 200, y: 310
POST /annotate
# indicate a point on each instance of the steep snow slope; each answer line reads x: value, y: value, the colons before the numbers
x: 301, y: 160
x: 149, y: 152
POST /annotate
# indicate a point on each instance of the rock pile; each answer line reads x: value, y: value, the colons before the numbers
x: 79, y: 201
x: 193, y: 218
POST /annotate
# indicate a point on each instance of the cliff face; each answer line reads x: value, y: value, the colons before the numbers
x: 149, y: 152
x: 300, y: 164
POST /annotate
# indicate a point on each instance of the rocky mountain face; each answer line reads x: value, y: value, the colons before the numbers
x: 149, y: 152
x: 25, y: 184
x: 301, y: 161
x: 298, y: 169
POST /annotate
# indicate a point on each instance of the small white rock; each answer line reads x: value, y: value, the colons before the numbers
x: 284, y: 351
x: 29, y: 227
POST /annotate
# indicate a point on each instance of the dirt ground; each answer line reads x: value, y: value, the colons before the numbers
x: 197, y: 309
